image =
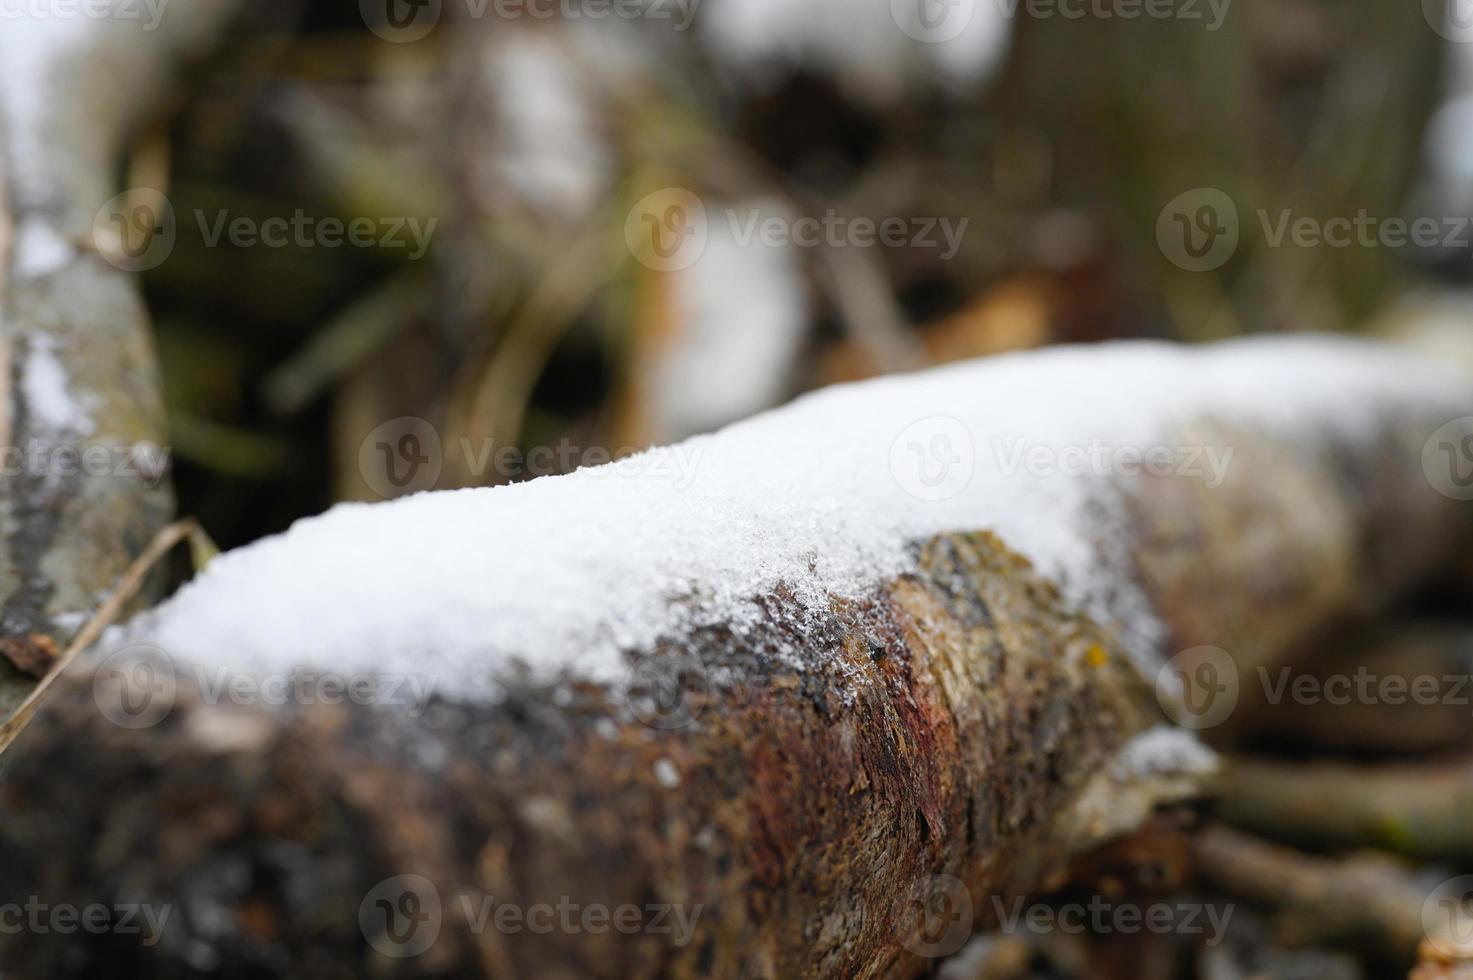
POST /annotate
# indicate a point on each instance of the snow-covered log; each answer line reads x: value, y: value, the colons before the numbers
x: 794, y: 699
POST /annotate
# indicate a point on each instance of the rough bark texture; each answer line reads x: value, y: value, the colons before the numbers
x: 945, y: 727
x: 795, y: 789
x: 68, y: 533
x: 1298, y: 541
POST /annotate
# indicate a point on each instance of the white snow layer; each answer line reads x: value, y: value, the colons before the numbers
x: 822, y: 495
x: 878, y: 48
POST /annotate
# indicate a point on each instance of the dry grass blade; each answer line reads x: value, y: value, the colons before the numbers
x: 127, y: 587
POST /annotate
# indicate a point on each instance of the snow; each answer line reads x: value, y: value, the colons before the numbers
x: 876, y: 48
x: 565, y: 573
x: 551, y: 151
x: 39, y: 251
x: 47, y: 392
x: 30, y: 57
x: 741, y: 316
x: 1163, y: 751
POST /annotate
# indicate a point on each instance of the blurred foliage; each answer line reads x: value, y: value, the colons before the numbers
x: 527, y: 324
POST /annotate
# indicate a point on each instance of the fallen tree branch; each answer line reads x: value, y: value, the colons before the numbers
x: 85, y: 479
x: 1366, y: 901
x: 802, y: 706
x: 1420, y: 810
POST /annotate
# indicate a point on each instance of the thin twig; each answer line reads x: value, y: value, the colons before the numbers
x: 127, y: 587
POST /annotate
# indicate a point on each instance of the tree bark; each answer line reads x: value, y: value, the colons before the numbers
x: 85, y: 485
x: 832, y: 794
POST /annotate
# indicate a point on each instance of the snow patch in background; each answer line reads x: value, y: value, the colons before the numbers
x: 565, y: 573
x: 32, y: 53
x: 741, y: 315
x: 550, y: 152
x: 872, y: 47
